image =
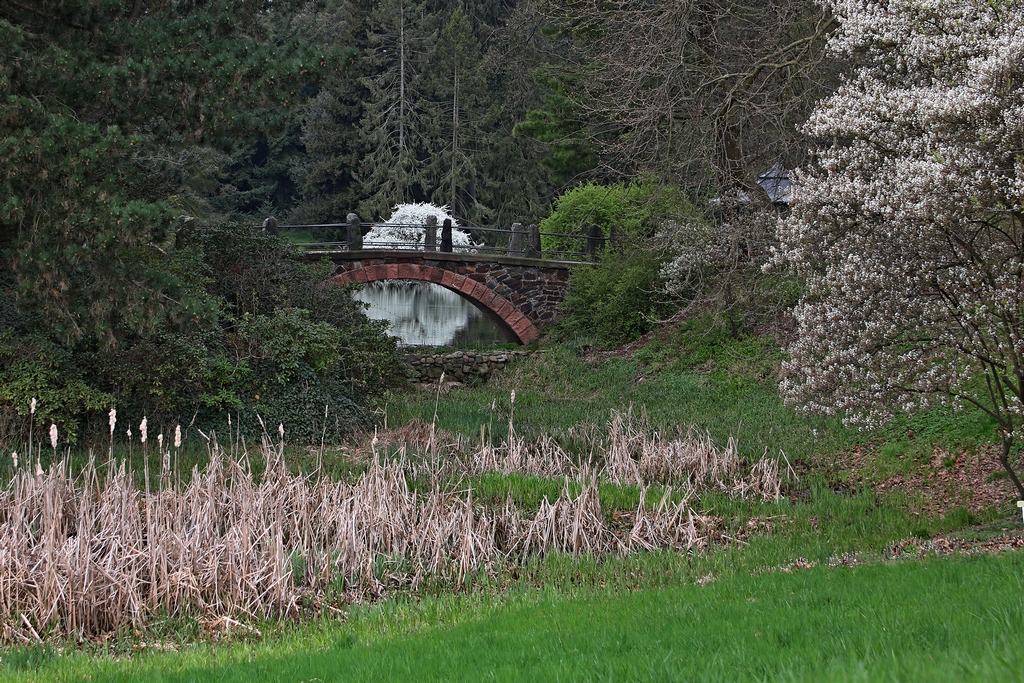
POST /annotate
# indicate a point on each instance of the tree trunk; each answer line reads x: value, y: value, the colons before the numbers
x: 1004, y: 458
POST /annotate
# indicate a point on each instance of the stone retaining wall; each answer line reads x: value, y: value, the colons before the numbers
x: 461, y: 365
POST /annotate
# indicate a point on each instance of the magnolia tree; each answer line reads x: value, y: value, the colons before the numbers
x: 909, y: 227
x: 404, y: 228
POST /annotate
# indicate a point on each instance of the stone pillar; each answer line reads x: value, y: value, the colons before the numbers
x: 515, y: 240
x: 270, y: 225
x: 533, y: 241
x: 430, y: 234
x: 595, y: 240
x: 446, y: 236
x: 355, y: 233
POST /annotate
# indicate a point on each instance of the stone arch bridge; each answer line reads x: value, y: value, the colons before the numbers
x: 520, y: 295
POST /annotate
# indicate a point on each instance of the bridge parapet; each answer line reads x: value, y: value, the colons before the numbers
x: 519, y: 241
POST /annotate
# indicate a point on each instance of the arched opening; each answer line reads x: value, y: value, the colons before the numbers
x: 497, y: 307
x: 423, y: 313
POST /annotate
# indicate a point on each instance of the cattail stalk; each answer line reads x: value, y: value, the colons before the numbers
x: 112, y: 419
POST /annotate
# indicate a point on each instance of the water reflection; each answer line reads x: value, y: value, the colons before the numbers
x: 426, y: 314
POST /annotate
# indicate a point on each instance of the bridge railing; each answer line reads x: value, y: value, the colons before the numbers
x: 517, y: 241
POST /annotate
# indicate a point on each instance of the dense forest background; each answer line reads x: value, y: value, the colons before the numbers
x: 142, y: 140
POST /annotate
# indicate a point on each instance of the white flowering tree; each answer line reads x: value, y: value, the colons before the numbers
x: 909, y: 228
x: 404, y: 229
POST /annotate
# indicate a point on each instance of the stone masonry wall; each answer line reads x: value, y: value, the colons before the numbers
x: 522, y: 294
x: 461, y: 365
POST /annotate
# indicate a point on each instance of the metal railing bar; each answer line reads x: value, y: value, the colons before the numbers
x: 473, y: 228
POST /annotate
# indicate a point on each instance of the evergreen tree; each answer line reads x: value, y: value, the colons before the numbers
x: 333, y: 144
x: 457, y: 96
x: 107, y: 105
x: 395, y: 118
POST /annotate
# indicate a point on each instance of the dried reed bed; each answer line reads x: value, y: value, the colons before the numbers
x: 630, y: 452
x: 96, y: 553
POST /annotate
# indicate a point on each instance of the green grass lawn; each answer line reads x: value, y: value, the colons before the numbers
x: 950, y: 619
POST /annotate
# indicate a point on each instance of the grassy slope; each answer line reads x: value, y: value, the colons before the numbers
x: 727, y: 387
x: 953, y: 619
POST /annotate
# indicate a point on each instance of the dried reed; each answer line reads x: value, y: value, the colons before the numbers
x: 629, y: 452
x: 96, y: 553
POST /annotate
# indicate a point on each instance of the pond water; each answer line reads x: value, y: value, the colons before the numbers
x: 427, y: 314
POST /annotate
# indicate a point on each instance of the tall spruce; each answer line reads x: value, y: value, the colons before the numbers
x: 394, y: 120
x: 457, y: 95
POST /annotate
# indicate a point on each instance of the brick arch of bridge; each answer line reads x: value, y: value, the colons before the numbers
x: 501, y: 308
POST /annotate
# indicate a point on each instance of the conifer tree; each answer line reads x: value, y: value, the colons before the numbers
x: 106, y: 107
x: 394, y: 118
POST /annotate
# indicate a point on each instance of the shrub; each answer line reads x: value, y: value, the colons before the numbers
x: 33, y: 367
x: 268, y: 339
x: 615, y: 301
x: 629, y: 212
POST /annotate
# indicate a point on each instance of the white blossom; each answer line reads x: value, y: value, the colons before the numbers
x: 908, y: 228
x: 404, y: 229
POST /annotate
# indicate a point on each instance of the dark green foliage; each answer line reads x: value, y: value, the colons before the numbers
x: 281, y: 345
x: 34, y: 366
x: 116, y: 119
x: 568, y: 154
x: 420, y: 107
x: 109, y: 114
x: 327, y: 174
x: 615, y: 301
